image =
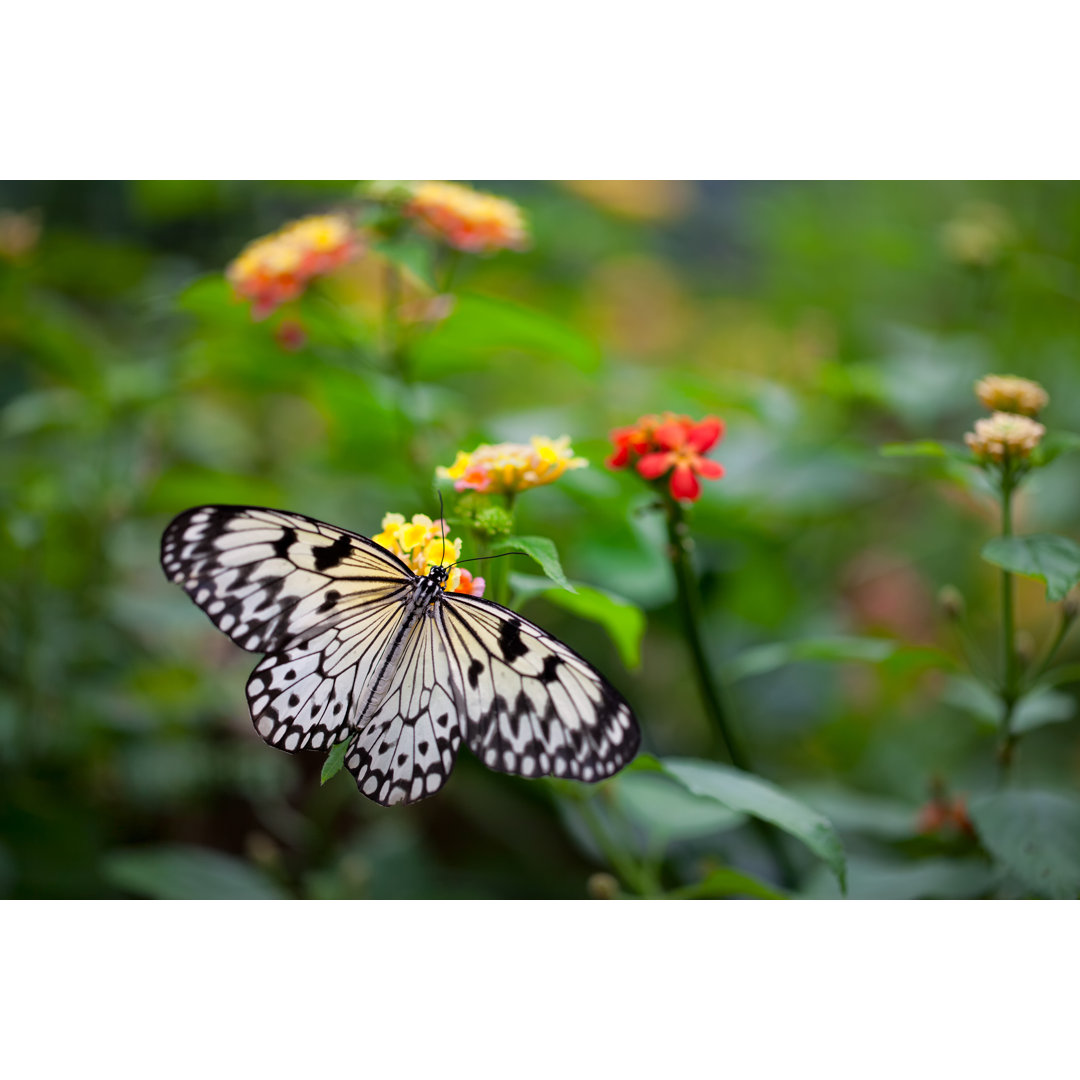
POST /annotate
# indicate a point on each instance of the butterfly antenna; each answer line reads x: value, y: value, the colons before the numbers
x: 442, y: 521
x: 483, y: 558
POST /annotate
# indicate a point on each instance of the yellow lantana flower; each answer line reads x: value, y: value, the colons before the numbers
x: 508, y: 468
x: 421, y: 544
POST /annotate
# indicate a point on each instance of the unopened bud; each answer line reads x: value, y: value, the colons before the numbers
x: 951, y: 602
x: 602, y: 887
x: 1070, y: 606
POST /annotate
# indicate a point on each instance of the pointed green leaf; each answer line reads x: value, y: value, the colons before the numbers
x: 751, y: 795
x: 1035, y: 709
x: 1036, y: 834
x: 543, y: 552
x: 334, y: 761
x: 765, y: 658
x: 188, y: 873
x: 666, y: 811
x: 1054, y: 560
x: 623, y: 621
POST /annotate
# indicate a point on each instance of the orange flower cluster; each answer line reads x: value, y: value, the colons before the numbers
x: 671, y: 446
x: 422, y: 544
x: 274, y: 269
x: 468, y: 220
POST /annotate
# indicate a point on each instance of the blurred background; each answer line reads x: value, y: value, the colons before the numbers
x: 819, y: 320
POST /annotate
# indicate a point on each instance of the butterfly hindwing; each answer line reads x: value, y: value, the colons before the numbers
x: 533, y: 707
x: 406, y: 750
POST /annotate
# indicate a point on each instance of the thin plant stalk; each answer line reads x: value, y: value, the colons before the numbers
x: 679, y: 548
x: 1010, y: 687
x: 687, y: 598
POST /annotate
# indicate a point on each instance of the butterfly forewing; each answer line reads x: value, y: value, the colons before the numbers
x: 273, y: 580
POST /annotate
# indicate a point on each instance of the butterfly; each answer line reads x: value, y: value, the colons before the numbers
x: 360, y: 648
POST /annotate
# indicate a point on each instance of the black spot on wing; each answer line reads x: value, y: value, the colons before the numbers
x: 332, y: 554
x: 474, y: 672
x: 551, y: 664
x: 331, y: 598
x: 510, y: 640
x: 284, y: 542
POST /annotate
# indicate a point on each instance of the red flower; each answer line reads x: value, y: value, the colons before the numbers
x: 636, y: 440
x: 672, y: 445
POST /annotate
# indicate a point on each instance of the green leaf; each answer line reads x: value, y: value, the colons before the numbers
x: 666, y: 811
x: 188, y: 873
x: 543, y: 552
x: 1059, y: 676
x: 751, y: 795
x: 1054, y: 560
x: 874, y: 878
x: 1036, y: 834
x: 858, y: 812
x: 334, y: 761
x: 765, y: 658
x: 1035, y: 709
x: 727, y: 882
x: 623, y: 621
x: 481, y: 326
x: 411, y: 253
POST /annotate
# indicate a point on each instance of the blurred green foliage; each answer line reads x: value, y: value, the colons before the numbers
x: 821, y: 321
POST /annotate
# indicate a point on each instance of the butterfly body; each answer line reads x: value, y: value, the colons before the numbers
x: 359, y: 647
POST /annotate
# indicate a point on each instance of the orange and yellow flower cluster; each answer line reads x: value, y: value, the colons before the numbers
x: 274, y: 269
x: 468, y: 220
x: 509, y: 468
x: 670, y: 446
x: 421, y: 545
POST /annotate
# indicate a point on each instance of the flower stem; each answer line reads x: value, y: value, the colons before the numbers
x: 679, y: 545
x: 1010, y: 689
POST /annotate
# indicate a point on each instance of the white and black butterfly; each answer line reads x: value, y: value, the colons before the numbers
x: 360, y: 647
